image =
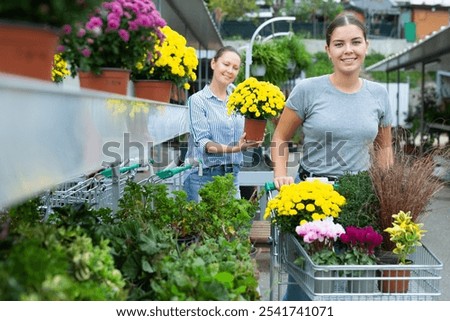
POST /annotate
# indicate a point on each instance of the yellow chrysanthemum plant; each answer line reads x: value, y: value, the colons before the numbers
x: 303, y: 202
x: 59, y: 69
x: 405, y: 234
x: 256, y: 99
x: 171, y: 60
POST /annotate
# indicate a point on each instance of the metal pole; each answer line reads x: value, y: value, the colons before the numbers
x: 248, y: 54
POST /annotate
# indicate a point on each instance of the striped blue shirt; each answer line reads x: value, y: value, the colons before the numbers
x: 209, y: 121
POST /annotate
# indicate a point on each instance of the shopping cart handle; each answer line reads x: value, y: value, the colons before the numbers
x: 166, y: 173
x: 108, y: 171
x: 269, y: 186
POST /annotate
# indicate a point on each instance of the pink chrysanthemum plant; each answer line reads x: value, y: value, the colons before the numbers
x: 115, y: 35
x: 361, y: 243
x: 319, y: 238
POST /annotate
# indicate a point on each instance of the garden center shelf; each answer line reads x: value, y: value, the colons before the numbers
x: 53, y: 134
x: 359, y: 282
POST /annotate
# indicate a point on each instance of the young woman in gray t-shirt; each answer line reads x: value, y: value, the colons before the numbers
x: 343, y: 117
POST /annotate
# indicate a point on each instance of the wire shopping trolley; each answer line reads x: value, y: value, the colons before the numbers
x: 172, y: 175
x: 102, y: 189
x: 419, y: 280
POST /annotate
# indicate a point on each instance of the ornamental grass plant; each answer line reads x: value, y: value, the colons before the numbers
x: 408, y: 185
x: 116, y: 34
x: 171, y: 60
x: 256, y: 99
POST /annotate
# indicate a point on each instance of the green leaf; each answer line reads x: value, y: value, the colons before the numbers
x: 224, y: 277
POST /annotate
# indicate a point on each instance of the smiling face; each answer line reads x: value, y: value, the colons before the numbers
x: 226, y: 67
x: 347, y: 49
x: 346, y: 44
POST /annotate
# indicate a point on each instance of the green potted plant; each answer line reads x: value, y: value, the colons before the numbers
x: 298, y: 57
x: 172, y: 62
x: 116, y: 35
x: 362, y: 204
x: 274, y: 60
x: 34, y: 26
x: 405, y: 234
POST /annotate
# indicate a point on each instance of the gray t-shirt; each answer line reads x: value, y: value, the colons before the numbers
x: 339, y: 128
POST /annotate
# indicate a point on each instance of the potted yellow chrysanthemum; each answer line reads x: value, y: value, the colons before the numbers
x: 171, y: 61
x: 303, y: 202
x: 256, y: 100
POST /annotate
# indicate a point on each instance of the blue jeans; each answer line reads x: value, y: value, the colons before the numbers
x: 193, y: 182
x: 294, y: 292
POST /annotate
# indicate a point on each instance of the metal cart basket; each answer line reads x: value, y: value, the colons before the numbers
x: 417, y: 281
x: 101, y: 190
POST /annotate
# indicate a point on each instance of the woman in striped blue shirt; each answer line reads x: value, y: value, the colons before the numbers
x: 216, y: 138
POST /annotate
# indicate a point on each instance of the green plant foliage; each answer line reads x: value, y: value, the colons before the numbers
x: 362, y: 203
x: 276, y: 55
x: 43, y: 262
x: 84, y: 254
x: 136, y: 247
x: 321, y: 65
x: 153, y: 202
x: 217, y: 269
x: 226, y: 215
x: 232, y: 9
x: 296, y: 52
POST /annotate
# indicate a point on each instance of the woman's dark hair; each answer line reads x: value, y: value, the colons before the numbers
x: 344, y: 20
x: 223, y: 50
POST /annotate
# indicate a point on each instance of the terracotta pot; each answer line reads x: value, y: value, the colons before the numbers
x: 27, y: 50
x: 158, y: 90
x: 113, y: 80
x: 393, y: 285
x: 255, y: 129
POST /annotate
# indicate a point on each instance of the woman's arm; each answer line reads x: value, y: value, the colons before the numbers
x: 286, y: 127
x: 384, y: 155
x: 216, y: 148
